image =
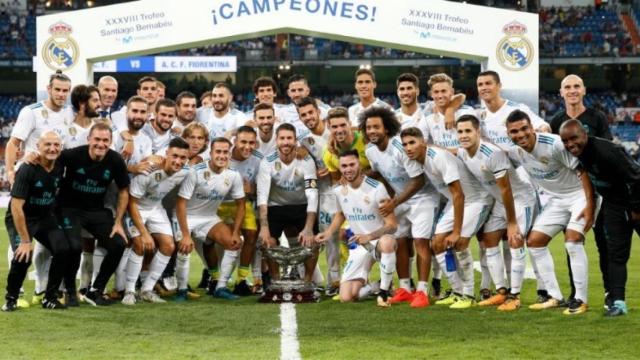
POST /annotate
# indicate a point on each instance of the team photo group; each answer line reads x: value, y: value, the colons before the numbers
x: 110, y: 204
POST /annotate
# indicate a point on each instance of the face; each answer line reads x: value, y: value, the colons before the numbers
x: 244, y: 144
x: 468, y: 136
x: 58, y: 92
x: 196, y: 140
x: 220, y: 99
x: 310, y: 116
x: 522, y: 133
x: 413, y: 146
x: 349, y: 168
x: 340, y: 128
x: 407, y: 93
x: 297, y: 90
x: 206, y: 102
x: 187, y: 110
x: 572, y: 90
x: 265, y: 120
x: 441, y: 93
x: 375, y: 130
x: 488, y: 88
x: 286, y: 141
x: 265, y: 95
x: 574, y: 139
x: 50, y: 146
x: 92, y: 105
x: 161, y: 92
x: 365, y: 86
x: 176, y: 159
x: 108, y: 93
x: 220, y: 152
x: 137, y: 115
x: 149, y: 91
x: 99, y: 142
x: 165, y: 116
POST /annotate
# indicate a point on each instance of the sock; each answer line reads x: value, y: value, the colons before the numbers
x: 144, y: 274
x: 41, y: 263
x: 98, y: 257
x: 496, y: 266
x: 579, y: 268
x: 465, y: 267
x: 364, y: 291
x: 387, y: 268
x: 317, y: 277
x: 452, y: 276
x: 485, y: 282
x: 121, y: 270
x: 226, y: 267
x: 435, y: 268
x: 198, y: 246
x: 256, y: 266
x: 134, y: 265
x: 214, y: 272
x: 506, y: 258
x: 423, y: 286
x: 539, y: 280
x: 158, y: 264
x: 182, y: 270
x: 86, y: 269
x: 546, y: 269
x: 405, y: 284
x: 243, y: 273
x: 517, y: 269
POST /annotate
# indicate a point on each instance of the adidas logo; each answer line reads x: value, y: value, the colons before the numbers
x: 80, y: 171
x: 39, y: 184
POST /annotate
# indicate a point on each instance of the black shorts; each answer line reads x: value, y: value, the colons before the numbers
x: 287, y: 217
x: 37, y: 228
x: 98, y: 223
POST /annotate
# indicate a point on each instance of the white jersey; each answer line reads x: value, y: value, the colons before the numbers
x: 289, y: 114
x: 490, y: 163
x: 220, y: 126
x: 356, y: 109
x: 142, y: 146
x: 248, y: 168
x: 74, y: 135
x: 494, y: 124
x: 550, y: 166
x: 396, y: 168
x: 285, y: 184
x: 205, y: 189
x: 158, y: 141
x: 360, y: 206
x: 151, y: 188
x: 266, y: 148
x: 417, y: 119
x: 36, y: 119
x: 315, y: 145
x: 439, y: 134
x: 443, y: 168
x: 180, y: 127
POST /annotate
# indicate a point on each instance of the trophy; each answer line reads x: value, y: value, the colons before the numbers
x: 289, y: 288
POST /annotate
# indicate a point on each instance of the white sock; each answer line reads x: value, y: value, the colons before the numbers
x: 436, y: 271
x: 364, y: 291
x: 405, y: 284
x: 256, y: 265
x: 134, y: 265
x: 423, y: 286
x: 496, y: 266
x: 86, y: 269
x: 539, y: 280
x: 98, y: 257
x: 517, y: 269
x: 506, y: 257
x: 387, y: 268
x: 144, y: 274
x: 317, y: 277
x: 579, y: 268
x: 452, y: 276
x: 226, y: 267
x: 121, y: 270
x: 546, y: 269
x: 41, y: 263
x: 465, y: 268
x: 158, y: 264
x: 485, y: 282
x: 198, y: 246
x: 182, y: 270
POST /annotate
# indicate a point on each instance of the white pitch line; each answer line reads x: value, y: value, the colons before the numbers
x: 289, y: 345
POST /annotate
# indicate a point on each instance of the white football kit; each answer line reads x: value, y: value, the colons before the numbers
x: 36, y: 119
x: 439, y: 134
x: 356, y: 109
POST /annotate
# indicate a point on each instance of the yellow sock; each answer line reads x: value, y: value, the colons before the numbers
x: 243, y: 273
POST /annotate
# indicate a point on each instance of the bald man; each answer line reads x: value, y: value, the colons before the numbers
x: 616, y: 177
x: 108, y: 87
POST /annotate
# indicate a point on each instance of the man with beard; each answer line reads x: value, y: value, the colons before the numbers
x: 137, y: 108
x: 297, y: 89
x: 265, y: 90
x: 409, y: 114
x: 264, y: 117
x: 221, y: 118
x: 186, y: 106
x: 365, y: 86
x: 159, y: 129
x: 343, y: 138
x: 147, y: 90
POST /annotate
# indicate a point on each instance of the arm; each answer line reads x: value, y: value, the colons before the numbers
x: 265, y: 234
x: 388, y: 228
x: 23, y: 252
x: 336, y: 222
x: 311, y: 191
x: 589, y: 210
x: 11, y: 152
x: 513, y: 231
x: 414, y: 184
x: 123, y: 200
x: 450, y: 113
x: 458, y: 213
x: 147, y: 240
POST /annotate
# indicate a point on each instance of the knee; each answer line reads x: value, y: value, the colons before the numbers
x: 167, y: 247
x: 115, y: 244
x: 537, y: 240
x: 387, y: 244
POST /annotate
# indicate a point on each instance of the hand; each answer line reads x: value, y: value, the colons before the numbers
x: 320, y: 173
x: 23, y: 252
x: 236, y: 241
x: 148, y: 245
x: 31, y: 158
x: 456, y: 102
x: 587, y: 213
x: 361, y: 239
x: 248, y: 189
x: 265, y: 237
x: 251, y: 123
x: 156, y: 160
x: 176, y: 131
x: 145, y: 167
x: 185, y: 246
x: 387, y: 207
x: 322, y: 237
x: 117, y: 229
x: 514, y: 236
x: 306, y: 237
x: 451, y: 240
x: 301, y: 152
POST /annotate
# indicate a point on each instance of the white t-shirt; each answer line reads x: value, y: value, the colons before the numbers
x: 417, y: 119
x: 220, y: 126
x: 151, y: 188
x: 74, y: 135
x: 360, y: 206
x: 289, y: 114
x: 248, y: 168
x: 439, y: 134
x: 265, y: 148
x: 205, y: 190
x: 494, y: 124
x: 142, y: 146
x: 315, y: 145
x: 158, y: 141
x: 36, y: 119
x: 284, y: 184
x: 356, y: 109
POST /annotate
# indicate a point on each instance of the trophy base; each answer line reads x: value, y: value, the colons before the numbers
x: 289, y: 291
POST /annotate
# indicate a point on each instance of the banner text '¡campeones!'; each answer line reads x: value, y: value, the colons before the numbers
x: 335, y: 8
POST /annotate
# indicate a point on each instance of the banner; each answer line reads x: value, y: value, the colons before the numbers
x: 176, y: 64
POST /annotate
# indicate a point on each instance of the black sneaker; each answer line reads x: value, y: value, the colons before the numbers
x: 543, y: 297
x: 71, y: 299
x: 53, y: 304
x: 568, y: 303
x: 436, y: 287
x: 204, y: 280
x: 485, y: 294
x: 96, y: 299
x: 608, y: 301
x: 211, y: 288
x: 10, y: 305
x: 242, y: 289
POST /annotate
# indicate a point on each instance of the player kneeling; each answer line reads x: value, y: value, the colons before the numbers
x: 359, y: 201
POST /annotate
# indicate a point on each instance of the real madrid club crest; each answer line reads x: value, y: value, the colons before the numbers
x: 227, y: 182
x: 515, y: 51
x: 73, y: 131
x: 207, y: 175
x: 278, y: 166
x: 60, y: 51
x: 158, y: 177
x: 311, y: 141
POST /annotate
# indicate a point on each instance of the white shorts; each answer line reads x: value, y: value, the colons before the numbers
x: 155, y: 220
x: 475, y: 215
x: 560, y: 213
x: 526, y: 211
x: 359, y: 262
x: 326, y: 209
x: 417, y: 219
x: 199, y: 226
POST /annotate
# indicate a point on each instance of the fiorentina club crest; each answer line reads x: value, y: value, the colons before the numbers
x: 60, y: 51
x: 515, y: 51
